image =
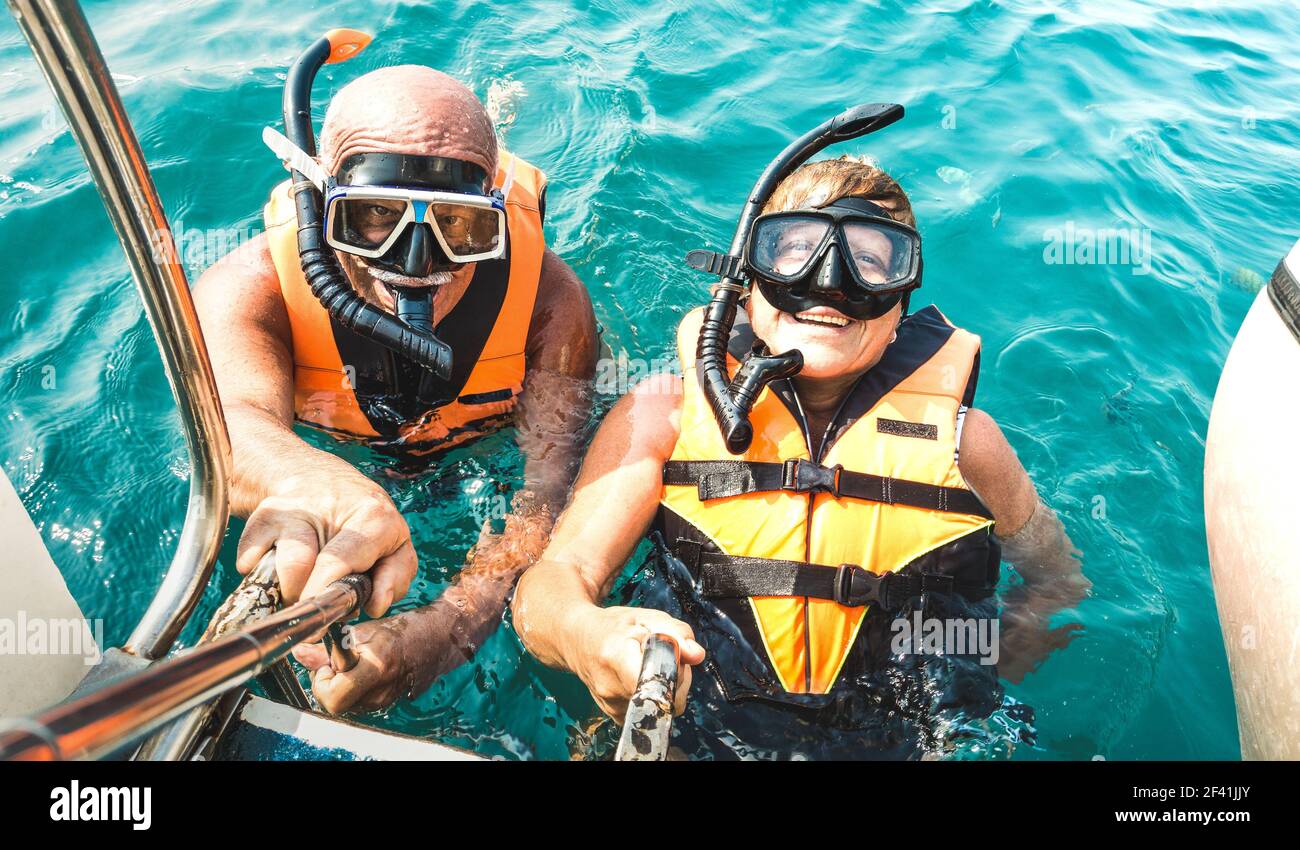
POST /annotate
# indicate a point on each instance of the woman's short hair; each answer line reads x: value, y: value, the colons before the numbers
x: 819, y: 184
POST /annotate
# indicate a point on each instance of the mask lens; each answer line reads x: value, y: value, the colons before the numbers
x: 881, y: 255
x: 468, y: 230
x: 366, y: 222
x: 786, y: 246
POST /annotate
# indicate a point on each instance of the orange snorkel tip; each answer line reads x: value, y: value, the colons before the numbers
x: 345, y: 43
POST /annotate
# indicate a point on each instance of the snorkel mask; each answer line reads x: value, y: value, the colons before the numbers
x: 407, y: 214
x: 414, y: 215
x: 849, y: 255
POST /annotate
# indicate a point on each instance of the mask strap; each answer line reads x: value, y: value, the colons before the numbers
x: 510, y: 178
x: 296, y: 158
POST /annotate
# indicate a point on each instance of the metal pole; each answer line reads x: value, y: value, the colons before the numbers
x: 127, y: 708
x: 648, y: 724
x: 68, y: 55
x: 256, y: 598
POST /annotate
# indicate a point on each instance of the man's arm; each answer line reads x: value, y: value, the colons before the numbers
x: 406, y: 653
x: 553, y: 413
x: 323, y: 518
x: 1034, y: 542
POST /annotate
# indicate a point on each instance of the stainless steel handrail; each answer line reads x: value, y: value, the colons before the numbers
x: 256, y: 598
x: 71, y: 60
x: 122, y: 711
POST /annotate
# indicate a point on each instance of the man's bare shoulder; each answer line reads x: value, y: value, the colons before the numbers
x: 559, y: 286
x: 249, y: 265
x: 239, y: 296
x: 562, y: 334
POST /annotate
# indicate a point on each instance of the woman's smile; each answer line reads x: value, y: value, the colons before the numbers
x: 823, y: 317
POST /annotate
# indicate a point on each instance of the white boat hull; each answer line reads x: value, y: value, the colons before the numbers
x: 265, y: 730
x: 1252, y: 519
x: 46, y: 648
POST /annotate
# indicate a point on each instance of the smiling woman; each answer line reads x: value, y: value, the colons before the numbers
x: 853, y: 462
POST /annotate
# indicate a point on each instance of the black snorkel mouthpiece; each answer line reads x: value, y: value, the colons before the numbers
x: 732, y: 400
x: 414, y: 307
x: 759, y: 369
x: 321, y: 268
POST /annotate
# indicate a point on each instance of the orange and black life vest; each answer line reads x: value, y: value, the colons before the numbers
x: 790, y: 567
x: 353, y: 387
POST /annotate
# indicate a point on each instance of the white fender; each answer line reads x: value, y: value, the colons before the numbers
x: 45, y: 647
x: 1252, y: 523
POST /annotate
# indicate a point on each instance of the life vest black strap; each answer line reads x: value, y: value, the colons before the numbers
x: 723, y: 576
x: 717, y: 479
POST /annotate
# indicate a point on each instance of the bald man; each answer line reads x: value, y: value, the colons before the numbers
x: 523, y: 341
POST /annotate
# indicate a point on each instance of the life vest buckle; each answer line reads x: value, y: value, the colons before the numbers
x: 804, y: 476
x: 855, y: 587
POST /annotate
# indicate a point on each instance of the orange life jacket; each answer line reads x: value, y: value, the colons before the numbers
x: 755, y: 542
x: 380, y: 397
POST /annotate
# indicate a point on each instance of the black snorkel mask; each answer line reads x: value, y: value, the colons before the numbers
x: 850, y: 255
x: 832, y: 269
x: 409, y: 252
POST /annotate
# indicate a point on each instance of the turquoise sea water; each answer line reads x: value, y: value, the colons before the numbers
x: 1026, y: 121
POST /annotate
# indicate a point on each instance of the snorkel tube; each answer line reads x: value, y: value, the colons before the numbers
x: 733, y: 399
x: 411, y: 333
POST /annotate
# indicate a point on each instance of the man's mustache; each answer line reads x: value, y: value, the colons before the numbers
x: 392, y: 278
